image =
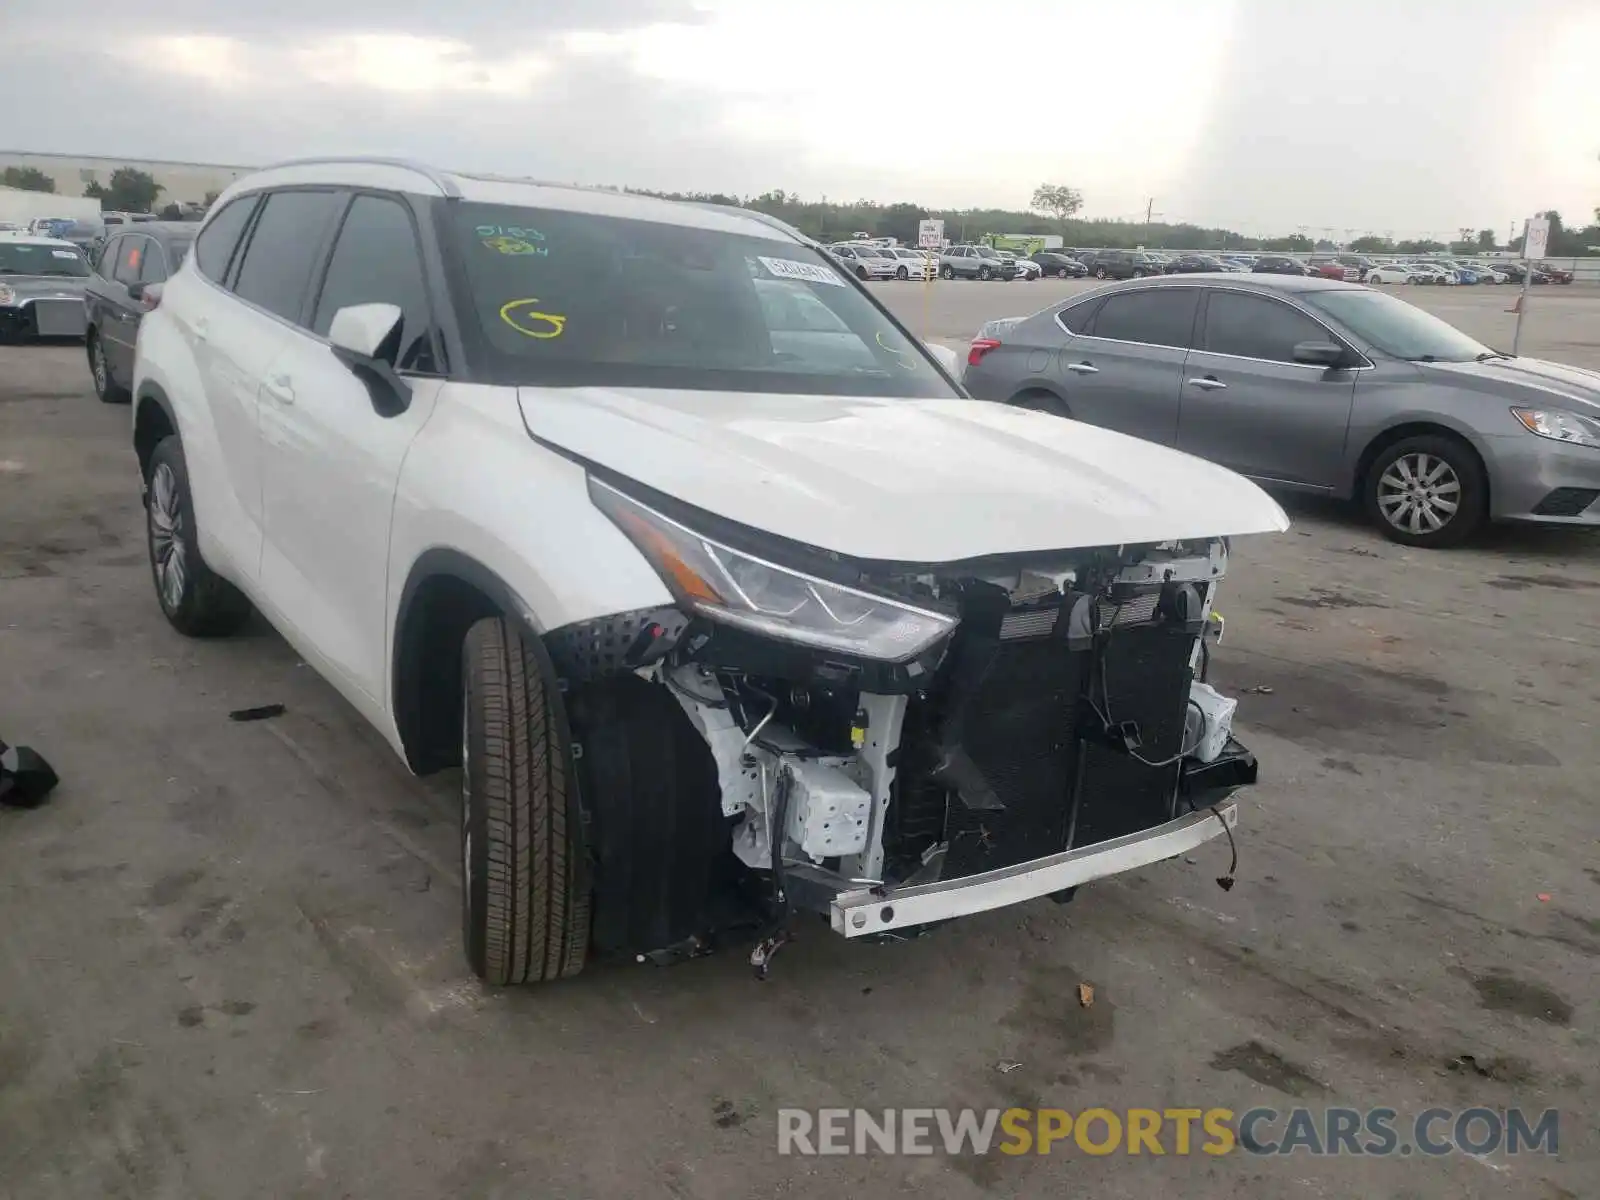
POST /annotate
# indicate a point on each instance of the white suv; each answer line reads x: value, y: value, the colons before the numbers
x: 728, y: 601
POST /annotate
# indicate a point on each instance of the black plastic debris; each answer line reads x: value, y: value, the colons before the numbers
x: 25, y: 777
x: 260, y: 713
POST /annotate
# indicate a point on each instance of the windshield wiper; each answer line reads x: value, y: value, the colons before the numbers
x: 1489, y: 354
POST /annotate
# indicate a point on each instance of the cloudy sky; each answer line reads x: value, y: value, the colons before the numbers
x: 1402, y: 116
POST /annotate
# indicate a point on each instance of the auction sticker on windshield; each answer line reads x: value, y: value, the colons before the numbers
x: 788, y: 268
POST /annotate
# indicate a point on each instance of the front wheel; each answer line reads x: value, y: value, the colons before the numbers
x: 524, y: 914
x: 948, y: 273
x: 1099, y: 272
x: 196, y: 601
x: 902, y: 273
x: 1138, y: 274
x: 863, y: 273
x: 984, y: 273
x: 1427, y: 491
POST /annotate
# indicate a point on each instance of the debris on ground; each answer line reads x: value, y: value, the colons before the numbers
x: 25, y: 777
x: 261, y: 713
x: 1086, y: 995
x: 1260, y: 689
x: 1005, y: 1068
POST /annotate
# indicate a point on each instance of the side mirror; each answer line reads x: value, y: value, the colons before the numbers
x: 947, y: 358
x: 1319, y: 354
x: 367, y: 331
x: 136, y: 291
x: 366, y: 338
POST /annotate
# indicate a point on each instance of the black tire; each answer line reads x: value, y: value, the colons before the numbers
x: 984, y: 274
x: 1137, y: 273
x: 902, y: 273
x: 1061, y: 273
x: 947, y: 272
x: 1099, y: 272
x: 1391, y: 508
x: 105, y: 387
x: 195, y: 601
x: 656, y: 825
x: 524, y: 911
x: 1043, y: 402
x: 863, y: 273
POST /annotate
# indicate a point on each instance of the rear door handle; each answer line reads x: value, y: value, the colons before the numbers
x: 1208, y: 384
x: 1083, y: 368
x: 280, y: 388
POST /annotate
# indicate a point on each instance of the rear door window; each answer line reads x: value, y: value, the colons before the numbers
x: 1154, y: 316
x: 153, y: 268
x: 1249, y: 326
x: 130, y: 255
x: 284, y: 246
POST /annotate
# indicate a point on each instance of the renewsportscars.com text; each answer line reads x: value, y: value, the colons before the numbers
x: 1379, y: 1132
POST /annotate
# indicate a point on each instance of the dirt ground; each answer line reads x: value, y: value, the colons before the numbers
x: 230, y: 965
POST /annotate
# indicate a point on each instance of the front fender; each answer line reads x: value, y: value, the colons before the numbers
x: 475, y: 485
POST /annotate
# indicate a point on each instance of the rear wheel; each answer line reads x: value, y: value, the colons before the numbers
x: 524, y: 908
x: 1062, y: 273
x: 105, y: 387
x: 1427, y: 491
x: 195, y: 601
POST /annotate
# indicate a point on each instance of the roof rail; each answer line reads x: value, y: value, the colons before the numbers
x: 755, y: 214
x: 438, y: 178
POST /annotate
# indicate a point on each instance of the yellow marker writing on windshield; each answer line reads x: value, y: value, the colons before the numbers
x: 514, y: 312
x: 899, y: 355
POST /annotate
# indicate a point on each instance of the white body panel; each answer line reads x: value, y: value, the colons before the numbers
x: 904, y: 480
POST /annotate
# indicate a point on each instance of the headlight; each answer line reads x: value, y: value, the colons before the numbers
x: 735, y: 588
x: 1559, y: 425
x: 6, y: 295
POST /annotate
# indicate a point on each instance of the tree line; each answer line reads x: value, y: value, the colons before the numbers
x: 1054, y: 208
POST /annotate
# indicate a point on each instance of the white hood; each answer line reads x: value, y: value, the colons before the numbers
x: 908, y: 480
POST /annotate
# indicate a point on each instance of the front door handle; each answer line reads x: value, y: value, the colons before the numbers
x: 1209, y: 384
x: 1083, y: 368
x: 280, y: 388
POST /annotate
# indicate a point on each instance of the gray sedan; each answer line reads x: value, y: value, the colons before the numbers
x: 1317, y: 386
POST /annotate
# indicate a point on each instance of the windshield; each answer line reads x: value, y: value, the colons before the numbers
x: 24, y: 258
x: 1396, y: 327
x: 571, y: 299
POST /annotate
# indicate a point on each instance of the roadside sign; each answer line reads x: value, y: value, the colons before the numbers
x: 930, y: 234
x: 1537, y: 240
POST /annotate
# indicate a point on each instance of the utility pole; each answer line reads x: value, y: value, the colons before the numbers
x: 1149, y: 212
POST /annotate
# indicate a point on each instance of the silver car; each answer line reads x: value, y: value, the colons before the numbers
x: 866, y: 262
x: 1317, y: 386
x: 41, y: 287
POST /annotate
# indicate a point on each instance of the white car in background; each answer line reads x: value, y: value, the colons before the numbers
x: 913, y: 264
x: 1488, y: 273
x: 1026, y: 267
x: 1432, y: 273
x: 1391, y: 273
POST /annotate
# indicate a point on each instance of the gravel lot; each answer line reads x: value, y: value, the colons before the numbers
x: 231, y: 967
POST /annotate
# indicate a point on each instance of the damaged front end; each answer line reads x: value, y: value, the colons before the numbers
x: 890, y: 745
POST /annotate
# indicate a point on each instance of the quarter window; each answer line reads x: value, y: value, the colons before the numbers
x: 376, y: 261
x: 153, y: 268
x: 1256, y: 327
x: 1156, y: 316
x: 214, y: 248
x: 276, y: 271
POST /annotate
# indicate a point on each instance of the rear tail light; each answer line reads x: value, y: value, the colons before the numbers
x: 980, y: 347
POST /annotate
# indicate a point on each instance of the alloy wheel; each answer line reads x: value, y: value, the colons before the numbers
x: 1419, y: 493
x: 166, y: 537
x: 97, y: 365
